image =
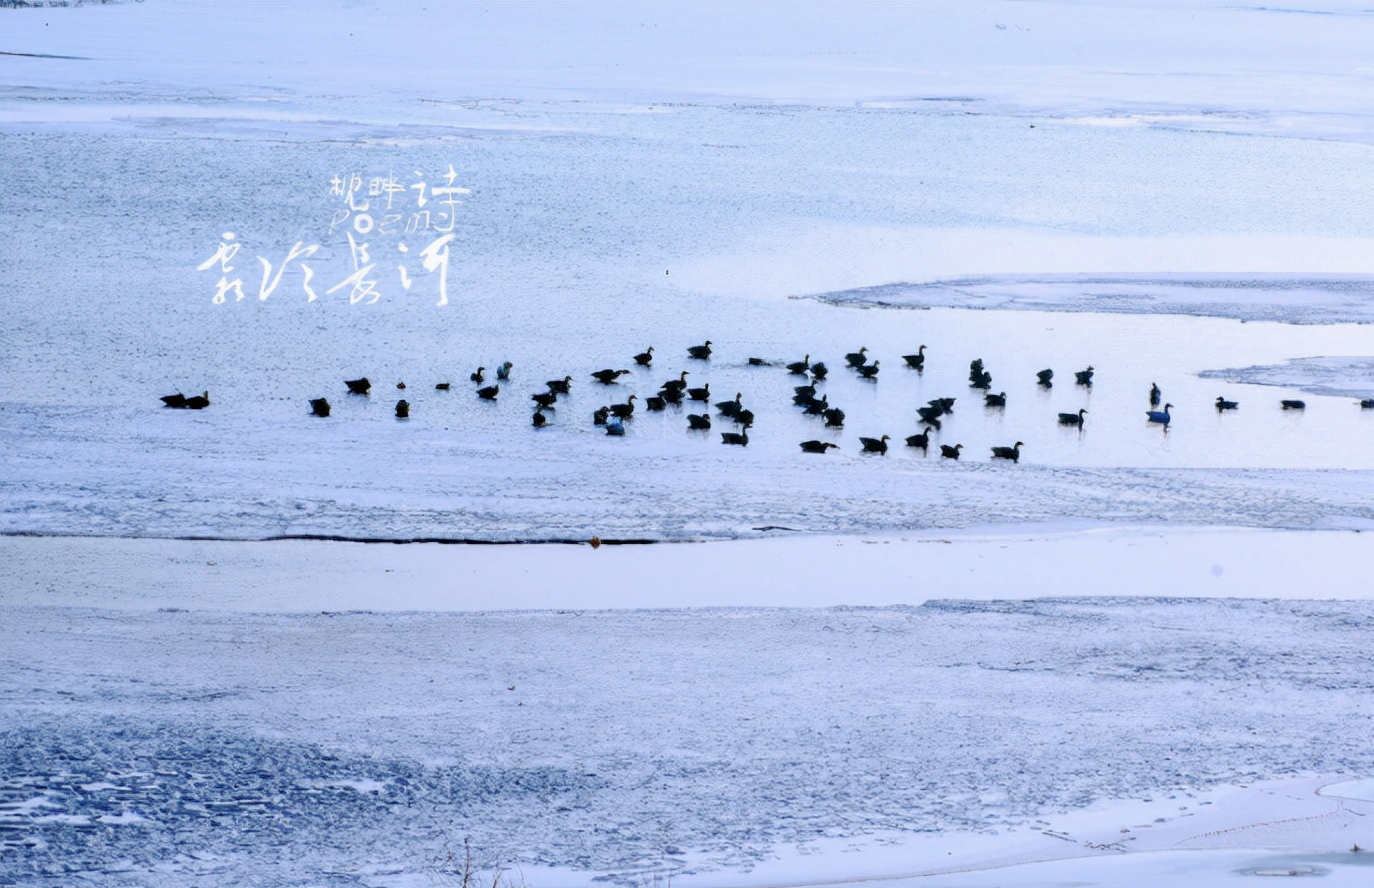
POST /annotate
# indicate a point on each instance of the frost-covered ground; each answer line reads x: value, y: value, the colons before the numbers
x: 1171, y: 191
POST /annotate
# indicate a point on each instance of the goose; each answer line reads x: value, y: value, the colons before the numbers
x: 730, y: 408
x: 600, y: 415
x: 946, y: 405
x: 857, y: 359
x: 1367, y: 403
x: 982, y: 381
x: 559, y: 386
x: 615, y: 429
x: 868, y: 371
x: 916, y: 361
x: 544, y: 399
x: 1159, y: 416
x: 1287, y: 405
x: 874, y: 445
x: 679, y: 384
x: 818, y: 371
x: 1084, y: 377
x: 626, y: 410
x: 646, y: 357
x: 741, y: 437
x: 1012, y: 453
x: 1154, y: 394
x: 922, y: 440
x: 1223, y: 404
x: 402, y: 409
x: 808, y: 391
x: 990, y: 400
x: 480, y: 376
x: 608, y: 377
x: 930, y: 415
x: 799, y: 368
x: 975, y: 370
x: 817, y: 408
x: 358, y: 386
x: 540, y: 420
x: 442, y: 387
x: 1044, y: 377
x: 700, y: 394
x: 503, y: 372
x: 834, y: 417
x: 178, y: 400
x: 817, y: 446
x: 654, y: 403
x: 698, y: 421
x: 949, y: 452
x: 671, y: 395
x: 757, y: 362
x: 489, y: 393
x: 1072, y: 419
x: 319, y: 406
x: 198, y: 402
x: 700, y: 352
x: 745, y: 417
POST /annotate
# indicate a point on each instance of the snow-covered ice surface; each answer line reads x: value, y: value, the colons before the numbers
x: 1158, y: 192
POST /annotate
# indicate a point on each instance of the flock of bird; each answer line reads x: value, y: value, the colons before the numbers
x: 807, y: 397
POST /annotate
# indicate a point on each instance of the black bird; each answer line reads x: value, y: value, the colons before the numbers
x: 700, y: 352
x: 503, y: 372
x: 559, y: 386
x: 731, y: 408
x: 358, y: 386
x: 178, y: 400
x: 991, y: 400
x: 1154, y: 394
x: 817, y: 446
x: 654, y: 403
x: 757, y: 362
x: 799, y: 368
x: 857, y: 359
x: 874, y: 445
x: 1160, y: 416
x: 319, y: 406
x: 540, y: 420
x: 678, y: 384
x: 950, y: 452
x: 741, y: 437
x: 818, y: 371
x: 402, y: 409
x: 916, y: 361
x: 700, y: 394
x: 544, y: 399
x: 817, y: 408
x: 608, y: 377
x: 1223, y: 404
x: 834, y: 417
x: 442, y: 387
x: 1367, y: 403
x: 930, y: 415
x: 868, y: 371
x: 480, y: 376
x: 1072, y: 419
x: 198, y: 402
x: 626, y: 410
x: 1084, y: 377
x: 698, y: 421
x: 1011, y: 453
x: 1044, y: 377
x: 489, y: 393
x: 982, y: 381
x: 744, y: 417
x: 1287, y: 405
x: 671, y: 395
x: 645, y: 357
x: 946, y: 405
x: 600, y: 415
x: 803, y: 392
x: 922, y: 440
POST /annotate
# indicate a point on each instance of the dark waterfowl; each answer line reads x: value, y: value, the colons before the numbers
x: 757, y: 362
x: 503, y: 372
x: 480, y: 376
x: 834, y: 417
x: 442, y: 387
x: 540, y: 420
x: 198, y: 402
x: 991, y: 400
x: 819, y: 371
x: 922, y: 440
x: 600, y: 415
x: 626, y: 410
x: 1084, y: 377
x: 679, y: 384
x: 874, y: 445
x: 700, y: 394
x: 1223, y: 404
x: 817, y: 407
x: 916, y: 361
x: 1367, y: 403
x: 1012, y: 453
x: 178, y: 401
x: 741, y: 437
x: 698, y: 421
x: 646, y: 357
x: 358, y: 386
x: 1287, y: 404
x: 982, y: 381
x: 731, y: 408
x: 544, y: 399
x: 930, y: 415
x: 1154, y: 394
x: 868, y: 371
x: 804, y: 391
x: 608, y: 377
x: 857, y: 359
x: 615, y: 428
x: 817, y: 446
x: 319, y: 406
x: 402, y: 409
x: 489, y: 393
x: 949, y: 452
x: 655, y: 403
x: 700, y: 352
x: 1072, y: 419
x: 744, y: 417
x: 1045, y: 377
x: 559, y: 386
x: 1159, y: 416
x: 945, y: 405
x: 799, y: 368
x: 671, y: 395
